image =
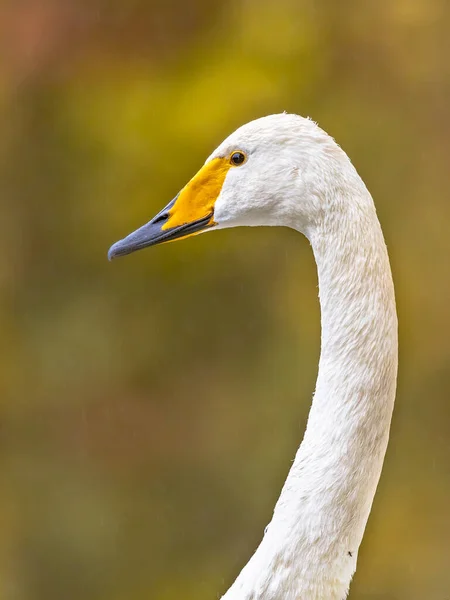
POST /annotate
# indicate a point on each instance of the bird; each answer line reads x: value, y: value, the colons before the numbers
x: 284, y: 170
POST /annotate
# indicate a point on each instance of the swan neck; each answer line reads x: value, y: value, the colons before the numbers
x: 311, y: 545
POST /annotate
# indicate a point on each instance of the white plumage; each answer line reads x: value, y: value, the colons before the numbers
x: 295, y: 175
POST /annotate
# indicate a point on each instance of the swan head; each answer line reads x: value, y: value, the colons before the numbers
x: 271, y: 171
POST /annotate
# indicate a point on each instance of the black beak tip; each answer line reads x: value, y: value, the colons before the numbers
x: 152, y: 233
x: 114, y: 251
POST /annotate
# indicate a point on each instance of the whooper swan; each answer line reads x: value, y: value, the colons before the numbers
x: 284, y: 170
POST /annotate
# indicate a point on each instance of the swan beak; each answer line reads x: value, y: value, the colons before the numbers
x: 156, y: 232
x: 189, y: 213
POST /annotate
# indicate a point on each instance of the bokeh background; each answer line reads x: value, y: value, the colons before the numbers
x: 150, y: 407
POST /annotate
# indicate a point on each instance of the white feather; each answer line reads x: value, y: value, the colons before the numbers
x: 297, y: 176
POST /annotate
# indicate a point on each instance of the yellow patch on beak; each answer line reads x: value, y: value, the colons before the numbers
x: 190, y: 213
x: 196, y: 200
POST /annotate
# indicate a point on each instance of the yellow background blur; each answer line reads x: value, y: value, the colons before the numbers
x: 150, y: 408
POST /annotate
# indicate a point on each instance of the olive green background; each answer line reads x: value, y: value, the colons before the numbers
x: 150, y: 407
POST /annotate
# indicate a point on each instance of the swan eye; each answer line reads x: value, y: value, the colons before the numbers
x: 237, y: 158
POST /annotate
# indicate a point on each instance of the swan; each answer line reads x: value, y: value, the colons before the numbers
x: 284, y: 170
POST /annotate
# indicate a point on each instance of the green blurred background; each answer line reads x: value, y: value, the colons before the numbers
x: 150, y: 408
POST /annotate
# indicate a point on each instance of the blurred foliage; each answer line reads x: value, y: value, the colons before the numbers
x: 150, y: 408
